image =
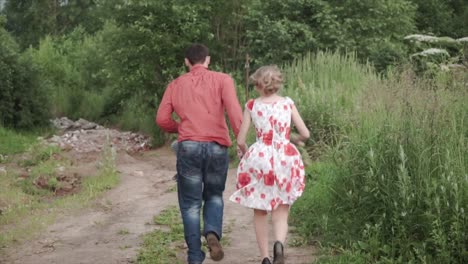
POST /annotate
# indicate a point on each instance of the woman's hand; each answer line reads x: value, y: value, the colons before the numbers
x: 241, y: 150
x: 297, y: 140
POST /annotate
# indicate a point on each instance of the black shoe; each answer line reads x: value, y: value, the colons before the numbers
x: 278, y: 253
x: 266, y: 261
x: 216, y: 251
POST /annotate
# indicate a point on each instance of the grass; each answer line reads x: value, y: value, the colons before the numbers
x: 123, y: 232
x: 389, y: 179
x: 161, y: 245
x: 164, y: 243
x: 27, y: 210
x: 324, y: 87
x: 12, y: 142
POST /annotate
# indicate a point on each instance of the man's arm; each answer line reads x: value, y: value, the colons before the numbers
x: 231, y: 104
x: 164, y: 114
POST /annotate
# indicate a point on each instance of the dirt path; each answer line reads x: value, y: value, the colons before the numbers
x: 110, y: 231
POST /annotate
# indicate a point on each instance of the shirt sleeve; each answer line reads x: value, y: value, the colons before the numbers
x: 231, y: 104
x: 164, y: 115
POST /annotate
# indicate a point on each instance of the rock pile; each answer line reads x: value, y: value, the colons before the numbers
x: 83, y: 136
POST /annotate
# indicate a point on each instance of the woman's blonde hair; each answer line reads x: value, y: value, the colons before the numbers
x: 268, y: 78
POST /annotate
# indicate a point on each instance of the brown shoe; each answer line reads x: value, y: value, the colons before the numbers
x: 278, y: 253
x: 216, y: 251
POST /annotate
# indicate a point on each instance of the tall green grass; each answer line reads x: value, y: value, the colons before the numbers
x: 324, y: 85
x: 12, y: 142
x: 392, y: 185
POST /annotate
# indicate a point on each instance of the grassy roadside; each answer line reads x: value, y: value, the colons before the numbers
x: 389, y: 178
x: 26, y: 206
x: 161, y: 244
x: 167, y: 239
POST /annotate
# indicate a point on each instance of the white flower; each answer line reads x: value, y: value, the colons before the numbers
x: 434, y: 51
x: 422, y: 38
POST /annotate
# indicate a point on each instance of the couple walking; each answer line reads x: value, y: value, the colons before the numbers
x: 270, y: 174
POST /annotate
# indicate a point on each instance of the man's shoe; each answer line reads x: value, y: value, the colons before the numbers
x: 278, y: 253
x: 216, y: 251
x: 266, y: 261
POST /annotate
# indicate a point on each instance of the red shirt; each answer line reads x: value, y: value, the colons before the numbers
x: 200, y: 98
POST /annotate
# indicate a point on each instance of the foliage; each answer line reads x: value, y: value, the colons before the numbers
x: 446, y: 17
x: 375, y: 27
x: 30, y: 21
x: 71, y: 68
x: 149, y: 42
x: 81, y: 13
x: 431, y: 54
x: 392, y: 187
x: 310, y: 25
x: 23, y: 101
x: 273, y: 25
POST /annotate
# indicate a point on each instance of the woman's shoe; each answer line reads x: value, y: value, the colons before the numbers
x: 278, y: 253
x: 266, y: 261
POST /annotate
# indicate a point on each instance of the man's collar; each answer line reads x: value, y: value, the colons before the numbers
x: 197, y: 67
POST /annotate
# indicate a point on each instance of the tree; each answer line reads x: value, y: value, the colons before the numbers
x: 146, y: 47
x: 30, y: 20
x: 83, y: 13
x: 23, y: 102
x: 279, y: 30
x: 442, y: 18
x: 375, y: 28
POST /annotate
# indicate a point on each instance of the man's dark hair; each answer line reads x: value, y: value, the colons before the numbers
x: 196, y: 53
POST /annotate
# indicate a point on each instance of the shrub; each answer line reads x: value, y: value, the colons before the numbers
x: 23, y: 101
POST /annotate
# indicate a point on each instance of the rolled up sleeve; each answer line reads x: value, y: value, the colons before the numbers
x: 164, y: 114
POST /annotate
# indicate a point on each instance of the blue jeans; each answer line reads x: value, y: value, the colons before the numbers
x: 202, y: 169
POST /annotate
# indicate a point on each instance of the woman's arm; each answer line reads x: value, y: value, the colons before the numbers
x: 304, y: 133
x: 244, y: 129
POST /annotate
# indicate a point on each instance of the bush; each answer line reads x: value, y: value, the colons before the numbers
x: 23, y: 101
x: 72, y: 69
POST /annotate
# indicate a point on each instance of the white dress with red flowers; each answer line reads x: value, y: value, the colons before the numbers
x: 271, y: 172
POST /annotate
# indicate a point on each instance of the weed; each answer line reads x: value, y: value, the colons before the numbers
x: 160, y: 244
x: 123, y: 232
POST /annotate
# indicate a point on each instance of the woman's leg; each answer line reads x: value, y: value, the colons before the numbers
x: 261, y: 231
x: 279, y: 217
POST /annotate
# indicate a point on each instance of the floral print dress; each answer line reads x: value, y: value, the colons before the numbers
x: 272, y: 171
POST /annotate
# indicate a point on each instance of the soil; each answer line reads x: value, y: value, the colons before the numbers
x: 110, y: 230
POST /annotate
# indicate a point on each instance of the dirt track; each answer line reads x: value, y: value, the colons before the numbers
x: 94, y: 234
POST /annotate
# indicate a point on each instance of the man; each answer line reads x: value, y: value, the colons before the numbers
x: 200, y: 98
